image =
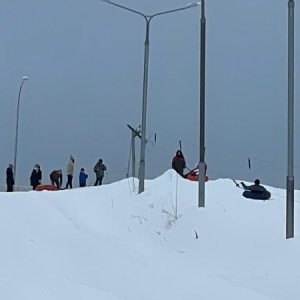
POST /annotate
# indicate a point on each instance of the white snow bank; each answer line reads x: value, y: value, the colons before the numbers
x: 110, y: 243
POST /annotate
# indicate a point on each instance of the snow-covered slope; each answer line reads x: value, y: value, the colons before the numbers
x: 110, y: 243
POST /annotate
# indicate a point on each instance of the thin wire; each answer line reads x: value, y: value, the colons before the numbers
x: 220, y: 151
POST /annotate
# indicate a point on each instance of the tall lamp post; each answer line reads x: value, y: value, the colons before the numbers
x: 24, y: 78
x: 290, y: 156
x: 201, y: 185
x: 148, y: 19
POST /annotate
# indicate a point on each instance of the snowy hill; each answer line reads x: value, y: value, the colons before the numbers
x: 110, y: 243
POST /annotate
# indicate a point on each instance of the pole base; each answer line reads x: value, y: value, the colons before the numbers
x: 290, y: 207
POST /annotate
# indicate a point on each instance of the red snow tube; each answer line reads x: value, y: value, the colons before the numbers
x: 46, y: 187
x: 195, y: 177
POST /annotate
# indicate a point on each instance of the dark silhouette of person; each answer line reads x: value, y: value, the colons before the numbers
x: 10, y: 181
x: 178, y: 163
x: 99, y: 170
x: 36, y: 176
x: 256, y: 187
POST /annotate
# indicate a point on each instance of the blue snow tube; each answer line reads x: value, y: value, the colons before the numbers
x: 256, y: 195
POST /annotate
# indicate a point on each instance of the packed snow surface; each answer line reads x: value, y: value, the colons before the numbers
x: 110, y: 243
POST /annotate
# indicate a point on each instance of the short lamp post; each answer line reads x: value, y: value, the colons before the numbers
x: 24, y: 79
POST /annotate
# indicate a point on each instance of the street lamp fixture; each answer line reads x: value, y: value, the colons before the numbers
x: 24, y: 78
x: 191, y: 5
x: 148, y: 19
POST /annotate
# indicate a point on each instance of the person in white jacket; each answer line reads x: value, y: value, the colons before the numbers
x: 70, y: 172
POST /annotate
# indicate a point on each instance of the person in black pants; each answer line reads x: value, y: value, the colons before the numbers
x: 178, y: 163
x: 70, y: 171
x: 10, y: 178
x: 99, y: 170
x: 36, y: 176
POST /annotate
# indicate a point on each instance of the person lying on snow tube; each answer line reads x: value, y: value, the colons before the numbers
x: 256, y: 191
x: 193, y: 175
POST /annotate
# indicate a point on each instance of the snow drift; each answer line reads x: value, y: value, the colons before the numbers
x: 110, y: 243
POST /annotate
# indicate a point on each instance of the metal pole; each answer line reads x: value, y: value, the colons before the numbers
x: 134, y: 133
x: 17, y: 132
x: 290, y: 157
x: 201, y: 185
x: 145, y: 81
x: 144, y: 110
x: 133, y: 153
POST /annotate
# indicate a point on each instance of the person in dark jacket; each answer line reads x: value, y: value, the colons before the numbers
x: 256, y: 191
x: 178, y: 163
x: 256, y: 187
x: 10, y: 178
x: 82, y: 178
x: 99, y: 170
x: 36, y: 176
x: 56, y: 178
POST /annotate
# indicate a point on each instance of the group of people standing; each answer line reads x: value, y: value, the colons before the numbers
x: 56, y: 176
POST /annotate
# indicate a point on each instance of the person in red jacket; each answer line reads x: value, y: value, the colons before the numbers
x: 178, y: 163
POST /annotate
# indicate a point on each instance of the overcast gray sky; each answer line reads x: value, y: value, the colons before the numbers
x: 84, y: 59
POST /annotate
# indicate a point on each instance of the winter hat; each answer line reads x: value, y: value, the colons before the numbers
x: 11, y: 166
x: 257, y: 181
x: 36, y: 165
x: 179, y: 153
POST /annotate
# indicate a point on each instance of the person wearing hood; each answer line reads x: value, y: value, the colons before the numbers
x: 36, y: 176
x: 178, y: 163
x: 10, y: 178
x: 70, y: 172
x: 99, y: 170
